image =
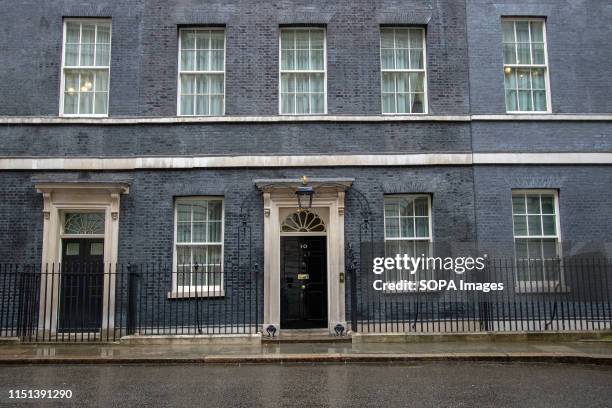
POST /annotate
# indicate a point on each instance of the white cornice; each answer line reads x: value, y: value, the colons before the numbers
x: 360, y: 160
x: 53, y: 120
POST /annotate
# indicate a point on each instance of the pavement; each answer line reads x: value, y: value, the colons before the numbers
x: 422, y: 384
x: 96, y: 353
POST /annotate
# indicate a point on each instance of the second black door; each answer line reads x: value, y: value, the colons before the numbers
x: 82, y: 284
x: 303, y: 282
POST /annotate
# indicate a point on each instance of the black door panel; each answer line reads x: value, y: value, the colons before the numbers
x: 82, y: 285
x: 303, y: 282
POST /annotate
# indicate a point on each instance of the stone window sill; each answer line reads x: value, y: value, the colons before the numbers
x: 203, y: 293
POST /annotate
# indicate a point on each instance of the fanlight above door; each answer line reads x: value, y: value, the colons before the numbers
x: 303, y: 221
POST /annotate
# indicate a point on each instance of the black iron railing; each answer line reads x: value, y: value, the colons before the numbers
x: 95, y: 302
x: 555, y: 295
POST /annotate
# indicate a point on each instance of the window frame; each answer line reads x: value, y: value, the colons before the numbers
x: 545, y: 66
x: 409, y: 70
x: 535, y: 286
x: 179, y: 71
x: 281, y: 71
x: 199, y: 291
x: 63, y: 65
x: 429, y: 239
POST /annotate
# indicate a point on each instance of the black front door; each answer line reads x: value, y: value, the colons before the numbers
x: 82, y: 284
x: 303, y: 282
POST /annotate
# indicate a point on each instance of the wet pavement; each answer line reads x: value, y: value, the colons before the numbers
x: 431, y: 384
x: 286, y: 352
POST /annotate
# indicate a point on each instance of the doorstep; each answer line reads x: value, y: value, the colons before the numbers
x: 195, y: 339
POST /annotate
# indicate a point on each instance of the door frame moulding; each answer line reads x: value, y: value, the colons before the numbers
x: 58, y: 198
x: 279, y: 194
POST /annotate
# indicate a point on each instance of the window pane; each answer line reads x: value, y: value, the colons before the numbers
x: 317, y: 39
x: 188, y: 83
x: 511, y: 101
x: 386, y: 38
x: 100, y: 103
x: 288, y: 60
x: 72, y: 55
x: 389, y: 103
x: 187, y: 105
x: 538, y: 53
x: 71, y: 103
x: 406, y: 207
x: 216, y: 60
x: 422, y: 227
x: 199, y: 232
x: 509, y: 53
x: 508, y: 31
x: 302, y: 61
x: 301, y: 103
x: 403, y: 103
x: 187, y: 60
x: 522, y: 31
x: 418, y: 103
x: 215, y: 209
x: 391, y: 209
x: 518, y: 205
x: 87, y: 55
x: 88, y: 34
x: 402, y: 82
x: 535, y: 227
x: 523, y: 53
x: 287, y: 39
x: 416, y: 59
x: 401, y: 38
x: 407, y: 227
x: 202, y: 60
x: 317, y: 59
x: 86, y: 103
x: 302, y: 39
x: 183, y: 212
x: 317, y: 103
x: 102, y: 55
x: 533, y: 204
x: 73, y: 33
x: 101, y: 81
x: 416, y: 82
x: 201, y: 104
x: 537, y: 31
x: 214, y: 231
x: 317, y: 83
x: 217, y: 40
x: 216, y: 105
x: 401, y: 59
x: 199, y: 210
x: 387, y: 59
x: 537, y: 79
x: 388, y: 82
x: 103, y: 34
x: 183, y: 232
x: 525, y: 102
x: 548, y: 222
x: 287, y: 103
x: 421, y: 207
x: 548, y: 204
x: 539, y: 101
x: 520, y: 225
x: 392, y: 228
x: 216, y: 84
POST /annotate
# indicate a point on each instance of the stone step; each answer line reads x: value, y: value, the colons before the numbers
x: 306, y: 336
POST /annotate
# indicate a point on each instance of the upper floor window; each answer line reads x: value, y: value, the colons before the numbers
x: 402, y: 61
x: 536, y: 237
x: 201, y: 72
x: 302, y: 71
x: 198, y: 252
x: 408, y: 231
x: 85, y: 67
x: 525, y: 65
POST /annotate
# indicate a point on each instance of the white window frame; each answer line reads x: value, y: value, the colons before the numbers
x: 179, y: 71
x: 63, y: 69
x: 199, y: 291
x: 429, y: 238
x: 545, y: 66
x: 526, y: 286
x: 295, y: 71
x: 409, y: 70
